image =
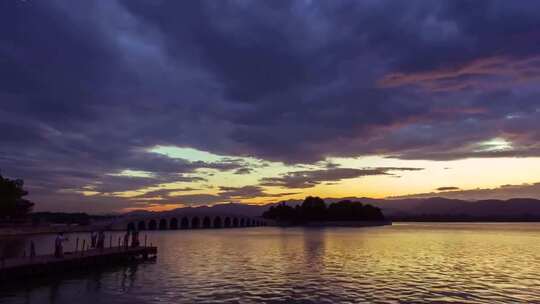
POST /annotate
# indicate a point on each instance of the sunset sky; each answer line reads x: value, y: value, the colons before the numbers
x: 111, y: 106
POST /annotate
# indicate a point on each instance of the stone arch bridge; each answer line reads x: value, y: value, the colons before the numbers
x: 186, y: 220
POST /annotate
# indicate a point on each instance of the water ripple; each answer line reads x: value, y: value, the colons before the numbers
x: 405, y: 263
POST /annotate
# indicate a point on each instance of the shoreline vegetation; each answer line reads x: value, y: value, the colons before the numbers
x: 13, y: 206
x: 54, y: 222
x: 314, y: 212
x: 28, y: 230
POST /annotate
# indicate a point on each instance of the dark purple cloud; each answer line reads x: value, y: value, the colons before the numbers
x: 448, y: 188
x: 164, y: 192
x: 87, y: 88
x: 311, y: 178
x: 225, y: 194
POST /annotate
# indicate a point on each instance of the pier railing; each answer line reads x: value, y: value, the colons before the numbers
x: 40, y: 265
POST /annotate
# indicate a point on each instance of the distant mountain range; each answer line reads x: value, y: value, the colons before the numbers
x: 444, y: 208
x: 434, y: 208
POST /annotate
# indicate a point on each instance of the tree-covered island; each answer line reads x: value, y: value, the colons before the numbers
x: 315, y: 211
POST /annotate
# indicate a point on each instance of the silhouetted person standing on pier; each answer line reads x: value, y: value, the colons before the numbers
x: 58, y: 245
x: 126, y: 239
x: 135, y: 238
x: 93, y: 239
x: 101, y: 240
x: 32, y: 250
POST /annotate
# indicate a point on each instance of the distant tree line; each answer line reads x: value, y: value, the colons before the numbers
x: 61, y: 218
x: 77, y: 218
x: 12, y: 204
x: 315, y: 209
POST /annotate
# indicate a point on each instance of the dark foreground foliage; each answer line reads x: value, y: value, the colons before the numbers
x: 12, y: 204
x: 315, y: 209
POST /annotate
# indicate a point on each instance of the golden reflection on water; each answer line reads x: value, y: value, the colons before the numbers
x: 405, y: 263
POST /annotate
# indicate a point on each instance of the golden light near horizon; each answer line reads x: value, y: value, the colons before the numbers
x: 462, y: 174
x: 466, y: 174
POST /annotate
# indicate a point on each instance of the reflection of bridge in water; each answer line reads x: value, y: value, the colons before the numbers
x: 185, y: 220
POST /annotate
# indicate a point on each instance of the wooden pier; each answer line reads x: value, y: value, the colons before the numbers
x: 44, y: 265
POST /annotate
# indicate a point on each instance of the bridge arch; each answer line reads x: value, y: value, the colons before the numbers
x: 162, y: 224
x: 195, y: 222
x: 227, y: 222
x: 173, y: 223
x: 184, y: 223
x: 131, y: 226
x: 217, y: 222
x: 235, y: 222
x: 152, y: 225
x: 141, y: 225
x: 207, y: 223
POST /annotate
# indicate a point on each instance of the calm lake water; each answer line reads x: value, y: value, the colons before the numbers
x: 404, y: 263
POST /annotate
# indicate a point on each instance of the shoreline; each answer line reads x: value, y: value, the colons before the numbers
x: 336, y: 224
x: 348, y: 224
x: 10, y: 232
x: 14, y: 232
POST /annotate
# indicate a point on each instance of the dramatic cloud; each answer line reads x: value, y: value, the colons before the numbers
x: 248, y: 192
x: 308, y: 179
x: 225, y: 194
x: 163, y: 193
x: 482, y: 74
x: 89, y: 88
x: 243, y: 171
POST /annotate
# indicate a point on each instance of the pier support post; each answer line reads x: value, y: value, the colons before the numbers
x: 32, y: 250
